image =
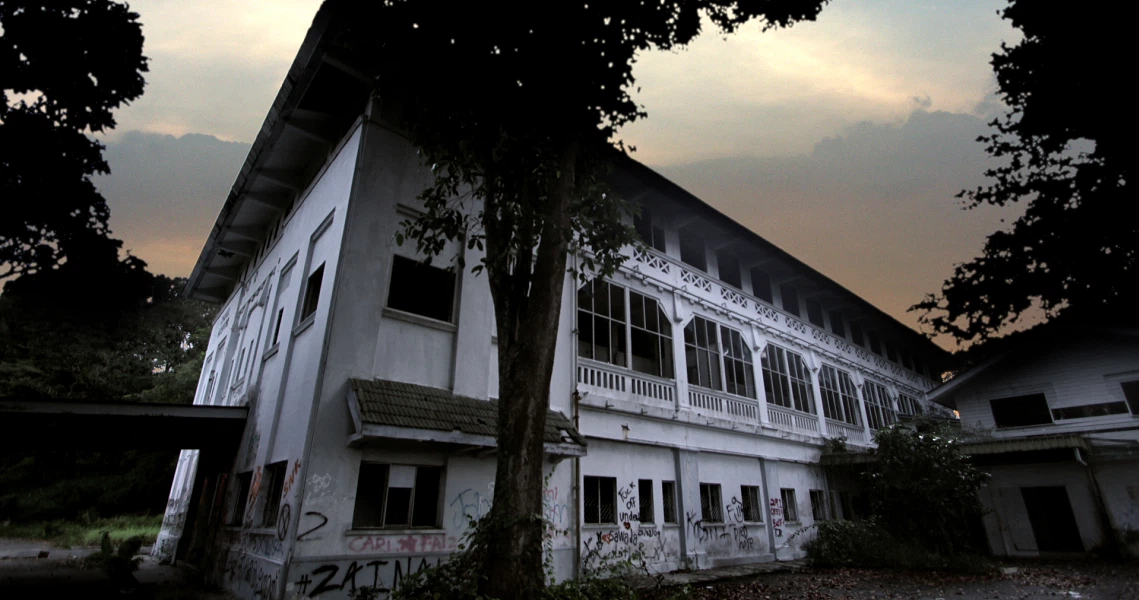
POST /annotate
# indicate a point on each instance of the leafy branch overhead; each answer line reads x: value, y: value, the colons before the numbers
x: 1067, y: 156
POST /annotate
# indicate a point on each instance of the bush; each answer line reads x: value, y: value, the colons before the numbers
x: 867, y: 544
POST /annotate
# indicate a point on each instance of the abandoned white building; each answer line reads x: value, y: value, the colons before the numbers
x: 1056, y: 420
x: 691, y: 396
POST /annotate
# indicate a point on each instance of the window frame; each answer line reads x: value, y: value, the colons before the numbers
x: 273, y: 492
x: 240, y: 504
x: 788, y: 292
x: 413, y: 501
x: 644, y: 224
x: 749, y: 500
x: 668, y: 502
x: 1022, y: 396
x: 405, y: 265
x: 612, y: 498
x: 761, y: 285
x: 735, y: 353
x: 728, y: 269
x: 796, y: 388
x: 839, y: 393
x: 310, y: 302
x: 711, y: 503
x: 880, y: 412
x: 625, y: 356
x: 819, y: 505
x: 790, y: 509
x: 645, y: 504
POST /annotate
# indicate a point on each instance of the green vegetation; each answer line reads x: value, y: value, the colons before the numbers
x: 924, y: 508
x: 78, y: 533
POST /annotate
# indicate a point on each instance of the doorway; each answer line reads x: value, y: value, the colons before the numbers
x: 1053, y: 522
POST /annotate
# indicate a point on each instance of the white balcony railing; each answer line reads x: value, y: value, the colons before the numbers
x: 623, y: 384
x: 852, y: 433
x: 792, y: 420
x: 725, y: 404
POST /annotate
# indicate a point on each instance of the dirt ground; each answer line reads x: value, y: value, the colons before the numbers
x: 1073, y: 580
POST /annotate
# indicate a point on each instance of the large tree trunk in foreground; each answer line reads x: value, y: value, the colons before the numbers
x: 528, y: 318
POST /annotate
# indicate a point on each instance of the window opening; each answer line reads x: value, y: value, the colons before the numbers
x: 786, y: 379
x: 422, y: 289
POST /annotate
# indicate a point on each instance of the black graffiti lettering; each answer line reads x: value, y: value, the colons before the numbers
x: 350, y: 575
x: 323, y: 522
x: 303, y: 583
x: 283, y: 521
x: 376, y: 564
x: 323, y: 585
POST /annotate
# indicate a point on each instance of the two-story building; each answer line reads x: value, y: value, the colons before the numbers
x: 1053, y: 416
x: 691, y: 395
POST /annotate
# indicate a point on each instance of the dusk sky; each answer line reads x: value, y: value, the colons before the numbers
x: 842, y: 141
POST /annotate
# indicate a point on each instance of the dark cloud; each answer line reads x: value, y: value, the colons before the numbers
x: 873, y: 208
x: 165, y: 193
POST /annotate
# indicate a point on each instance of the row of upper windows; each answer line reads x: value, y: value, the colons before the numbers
x: 622, y: 327
x: 1032, y: 409
x: 693, y: 253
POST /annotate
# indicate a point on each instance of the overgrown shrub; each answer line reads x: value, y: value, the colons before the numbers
x: 866, y: 544
x: 120, y: 564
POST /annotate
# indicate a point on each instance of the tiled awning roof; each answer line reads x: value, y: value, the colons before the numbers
x: 976, y: 448
x: 381, y: 408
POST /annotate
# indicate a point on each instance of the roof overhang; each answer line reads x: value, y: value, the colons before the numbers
x: 49, y: 424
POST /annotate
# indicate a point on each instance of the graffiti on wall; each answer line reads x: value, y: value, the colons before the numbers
x: 402, y: 543
x: 472, y: 505
x: 776, y: 507
x: 335, y: 580
x: 249, y: 576
x: 629, y: 541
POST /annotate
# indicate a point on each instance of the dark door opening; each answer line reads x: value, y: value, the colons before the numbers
x: 1053, y: 522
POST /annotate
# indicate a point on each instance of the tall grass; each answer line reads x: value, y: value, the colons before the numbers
x: 78, y: 533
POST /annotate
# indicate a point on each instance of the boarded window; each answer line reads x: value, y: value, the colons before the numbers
x: 422, y: 289
x: 711, y: 507
x: 749, y: 497
x: 312, y: 292
x: 600, y: 499
x: 761, y: 285
x: 668, y: 500
x: 729, y: 267
x: 397, y: 496
x: 645, y: 500
x: 1021, y: 411
x: 275, y: 484
x: 790, y: 509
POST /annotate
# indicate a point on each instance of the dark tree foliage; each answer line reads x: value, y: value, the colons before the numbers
x: 515, y: 107
x: 64, y: 66
x: 923, y: 490
x: 1065, y: 152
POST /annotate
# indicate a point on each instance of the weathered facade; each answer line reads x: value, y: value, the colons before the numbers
x: 691, y: 395
x: 1055, y: 421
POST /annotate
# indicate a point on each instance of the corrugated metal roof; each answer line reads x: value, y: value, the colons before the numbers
x: 399, y: 404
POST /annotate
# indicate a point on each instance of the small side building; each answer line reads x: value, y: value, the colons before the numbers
x: 1055, y: 420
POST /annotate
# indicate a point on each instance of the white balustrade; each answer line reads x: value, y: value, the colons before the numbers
x: 622, y: 384
x: 793, y: 420
x: 725, y: 404
x: 852, y: 433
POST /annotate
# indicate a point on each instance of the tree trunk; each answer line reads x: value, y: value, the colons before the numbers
x: 527, y: 330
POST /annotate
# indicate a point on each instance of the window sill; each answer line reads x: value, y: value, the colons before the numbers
x: 271, y: 352
x: 305, y: 324
x: 392, y: 313
x: 598, y: 525
x: 395, y: 531
x: 263, y: 530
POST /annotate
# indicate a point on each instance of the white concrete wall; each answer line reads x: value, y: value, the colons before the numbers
x: 1006, y: 520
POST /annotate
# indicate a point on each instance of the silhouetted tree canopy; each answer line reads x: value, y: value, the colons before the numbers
x: 64, y: 66
x: 516, y: 107
x: 1065, y: 152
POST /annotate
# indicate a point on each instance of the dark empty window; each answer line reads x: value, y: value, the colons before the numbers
x: 790, y: 299
x: 790, y: 509
x: 815, y: 313
x: 645, y: 500
x: 668, y: 500
x: 891, y: 352
x: 1021, y: 411
x: 422, y: 289
x: 749, y: 497
x: 711, y: 507
x: 277, y: 327
x: 856, y: 334
x: 241, y: 483
x: 1131, y: 394
x: 312, y: 292
x: 651, y: 235
x: 729, y: 267
x: 875, y: 343
x: 601, y: 322
x: 275, y: 474
x: 1090, y: 410
x: 837, y: 326
x: 905, y: 358
x: 761, y: 285
x: 917, y: 365
x: 879, y: 410
x: 818, y: 505
x: 600, y: 499
x: 650, y: 336
x: 397, y: 496
x: 702, y: 353
x: 692, y: 250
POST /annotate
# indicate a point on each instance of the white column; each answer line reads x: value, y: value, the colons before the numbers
x: 858, y: 382
x: 814, y: 365
x: 758, y: 346
x: 679, y: 317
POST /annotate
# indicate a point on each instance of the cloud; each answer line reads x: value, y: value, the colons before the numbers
x: 872, y: 208
x: 165, y: 193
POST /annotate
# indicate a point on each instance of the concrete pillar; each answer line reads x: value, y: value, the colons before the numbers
x: 814, y: 366
x: 758, y: 347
